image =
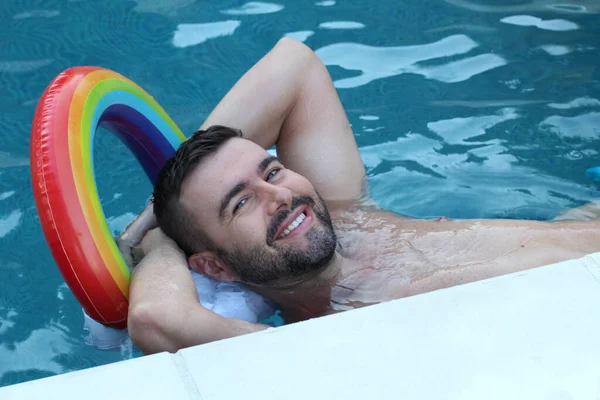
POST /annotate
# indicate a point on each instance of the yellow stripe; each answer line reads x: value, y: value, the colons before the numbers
x: 85, y: 100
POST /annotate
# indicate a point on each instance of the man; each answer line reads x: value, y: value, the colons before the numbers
x: 297, y: 228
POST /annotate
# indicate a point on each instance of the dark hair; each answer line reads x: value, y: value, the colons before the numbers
x: 173, y: 218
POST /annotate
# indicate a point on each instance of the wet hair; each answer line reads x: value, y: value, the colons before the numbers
x: 174, y: 219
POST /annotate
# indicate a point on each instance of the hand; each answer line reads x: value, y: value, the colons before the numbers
x: 134, y: 233
x: 125, y: 245
x: 154, y: 239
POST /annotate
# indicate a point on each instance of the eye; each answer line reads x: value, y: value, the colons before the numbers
x: 273, y: 173
x: 239, y: 205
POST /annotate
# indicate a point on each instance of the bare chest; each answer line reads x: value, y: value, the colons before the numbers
x: 396, y: 257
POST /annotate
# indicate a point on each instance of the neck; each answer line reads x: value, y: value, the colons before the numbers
x: 308, y: 296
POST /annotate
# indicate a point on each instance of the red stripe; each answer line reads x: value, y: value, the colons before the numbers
x: 61, y: 216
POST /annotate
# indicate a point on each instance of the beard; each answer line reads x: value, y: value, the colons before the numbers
x: 273, y: 263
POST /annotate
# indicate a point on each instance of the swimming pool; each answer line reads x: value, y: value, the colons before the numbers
x: 461, y: 109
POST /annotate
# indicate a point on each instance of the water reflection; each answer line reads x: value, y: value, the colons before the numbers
x: 556, y: 49
x: 7, y: 321
x: 22, y: 67
x: 579, y: 102
x: 165, y: 7
x: 429, y: 183
x: 411, y: 147
x: 584, y: 126
x: 119, y: 223
x: 300, y: 36
x: 38, y: 352
x: 192, y: 34
x: 458, y: 130
x: 559, y: 6
x: 382, y: 62
x: 485, y: 103
x: 341, y: 25
x: 463, y: 28
x: 37, y: 14
x: 484, y: 179
x: 6, y: 195
x: 8, y: 160
x: 10, y: 222
x: 549, y: 25
x: 369, y: 117
x: 254, y: 7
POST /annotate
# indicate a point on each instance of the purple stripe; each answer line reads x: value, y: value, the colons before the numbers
x: 140, y: 135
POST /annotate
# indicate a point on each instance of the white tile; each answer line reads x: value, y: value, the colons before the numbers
x: 148, y: 378
x: 528, y: 335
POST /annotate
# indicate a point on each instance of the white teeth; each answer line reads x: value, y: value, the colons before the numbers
x: 293, y: 225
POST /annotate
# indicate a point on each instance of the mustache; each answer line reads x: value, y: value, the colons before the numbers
x: 278, y: 218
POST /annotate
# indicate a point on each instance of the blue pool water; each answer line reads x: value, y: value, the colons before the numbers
x: 462, y: 109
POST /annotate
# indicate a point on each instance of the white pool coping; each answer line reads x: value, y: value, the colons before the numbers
x: 528, y: 335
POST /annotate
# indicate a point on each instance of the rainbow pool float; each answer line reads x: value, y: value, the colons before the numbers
x: 71, y: 109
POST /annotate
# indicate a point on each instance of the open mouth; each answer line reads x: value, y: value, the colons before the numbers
x: 292, y: 227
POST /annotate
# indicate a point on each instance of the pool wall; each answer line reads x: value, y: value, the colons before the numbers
x: 530, y: 335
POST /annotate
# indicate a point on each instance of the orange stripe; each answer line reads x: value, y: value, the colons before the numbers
x: 85, y: 192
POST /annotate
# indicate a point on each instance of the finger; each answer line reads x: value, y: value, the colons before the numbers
x: 137, y: 254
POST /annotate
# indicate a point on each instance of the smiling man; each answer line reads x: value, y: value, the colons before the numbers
x: 300, y: 229
x: 262, y: 224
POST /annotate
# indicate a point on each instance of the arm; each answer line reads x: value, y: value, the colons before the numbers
x: 164, y: 311
x: 586, y: 212
x: 288, y: 99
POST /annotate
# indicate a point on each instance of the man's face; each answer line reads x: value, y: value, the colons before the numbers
x: 269, y: 224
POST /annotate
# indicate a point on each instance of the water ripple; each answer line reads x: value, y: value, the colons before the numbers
x: 461, y: 70
x: 382, y: 62
x: 556, y: 50
x: 6, y: 195
x: 458, y: 130
x: 583, y: 6
x: 464, y: 27
x: 17, y: 67
x: 161, y: 7
x: 585, y: 126
x: 434, y: 183
x: 7, y: 321
x: 38, y: 351
x: 580, y: 102
x: 37, y: 14
x: 341, y: 25
x: 485, y: 103
x: 253, y: 8
x: 369, y: 117
x: 411, y: 147
x: 300, y: 36
x: 558, y: 25
x: 192, y: 34
x: 8, y: 160
x: 11, y: 222
x: 119, y: 223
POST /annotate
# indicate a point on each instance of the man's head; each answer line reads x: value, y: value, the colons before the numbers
x: 239, y: 214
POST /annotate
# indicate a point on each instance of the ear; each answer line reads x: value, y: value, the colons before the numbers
x: 209, y: 264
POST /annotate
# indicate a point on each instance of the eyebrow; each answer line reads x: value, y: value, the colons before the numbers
x: 241, y: 186
x: 264, y: 164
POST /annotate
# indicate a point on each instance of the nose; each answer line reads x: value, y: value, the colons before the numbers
x: 276, y: 198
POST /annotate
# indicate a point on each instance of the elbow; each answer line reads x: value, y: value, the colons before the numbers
x: 298, y: 50
x: 145, y: 327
